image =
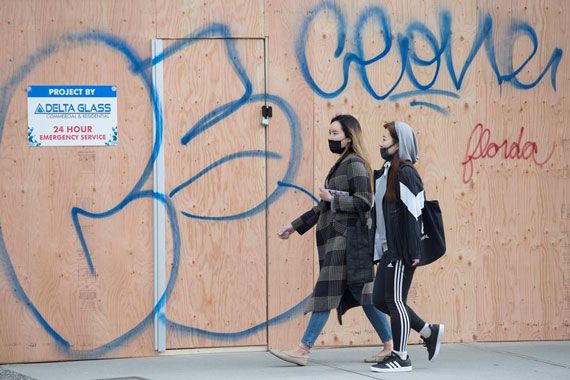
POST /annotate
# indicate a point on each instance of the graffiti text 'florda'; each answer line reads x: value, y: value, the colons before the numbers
x: 480, y: 146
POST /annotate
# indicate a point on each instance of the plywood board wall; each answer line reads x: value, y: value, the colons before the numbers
x: 506, y: 275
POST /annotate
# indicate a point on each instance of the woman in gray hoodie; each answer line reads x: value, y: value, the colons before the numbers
x: 398, y: 204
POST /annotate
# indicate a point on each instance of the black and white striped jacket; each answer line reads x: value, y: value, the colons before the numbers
x: 403, y: 217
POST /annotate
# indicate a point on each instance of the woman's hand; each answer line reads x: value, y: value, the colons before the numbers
x: 325, y: 195
x: 285, y: 232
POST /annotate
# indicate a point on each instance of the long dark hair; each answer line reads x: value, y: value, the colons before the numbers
x: 351, y: 128
x: 392, y: 188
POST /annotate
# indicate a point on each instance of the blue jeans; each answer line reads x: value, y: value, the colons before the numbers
x: 319, y: 319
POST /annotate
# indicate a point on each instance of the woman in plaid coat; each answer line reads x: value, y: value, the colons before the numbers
x: 343, y: 230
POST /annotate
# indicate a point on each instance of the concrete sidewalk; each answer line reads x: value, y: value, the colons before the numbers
x: 474, y: 361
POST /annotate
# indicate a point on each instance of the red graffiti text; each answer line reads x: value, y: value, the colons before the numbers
x: 480, y: 146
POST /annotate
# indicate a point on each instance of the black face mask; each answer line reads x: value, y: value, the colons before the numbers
x: 335, y: 146
x: 385, y: 155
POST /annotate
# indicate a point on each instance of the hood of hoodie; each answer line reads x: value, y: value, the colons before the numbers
x: 408, y: 149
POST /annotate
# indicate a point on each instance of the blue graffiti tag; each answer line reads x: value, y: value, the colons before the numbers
x: 141, y: 68
x: 230, y: 157
x: 283, y: 317
x: 442, y: 50
x: 439, y: 45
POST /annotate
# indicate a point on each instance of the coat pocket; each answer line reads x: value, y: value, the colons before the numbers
x: 359, y: 254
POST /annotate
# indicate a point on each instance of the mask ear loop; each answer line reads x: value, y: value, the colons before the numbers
x: 392, y: 146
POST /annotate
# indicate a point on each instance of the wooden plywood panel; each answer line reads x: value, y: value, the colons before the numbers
x: 506, y: 275
x: 290, y: 262
x: 178, y: 19
x: 447, y: 292
x: 524, y: 231
x: 329, y: 75
x: 443, y: 292
x: 221, y: 284
x: 557, y: 241
x: 41, y: 185
x: 373, y: 113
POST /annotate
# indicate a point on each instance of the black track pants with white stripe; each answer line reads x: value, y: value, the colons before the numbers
x: 391, y: 286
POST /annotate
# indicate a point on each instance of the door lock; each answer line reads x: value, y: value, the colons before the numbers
x: 266, y: 113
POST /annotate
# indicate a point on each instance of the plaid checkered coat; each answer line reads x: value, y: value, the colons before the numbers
x: 333, y: 219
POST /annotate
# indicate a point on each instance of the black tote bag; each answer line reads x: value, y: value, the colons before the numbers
x: 433, y: 234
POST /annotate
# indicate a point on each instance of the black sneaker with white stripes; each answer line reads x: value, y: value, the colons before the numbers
x: 393, y: 363
x: 433, y: 343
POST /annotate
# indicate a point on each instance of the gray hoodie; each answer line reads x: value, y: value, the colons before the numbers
x: 408, y: 151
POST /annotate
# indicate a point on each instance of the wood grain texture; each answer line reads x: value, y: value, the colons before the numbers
x: 223, y: 266
x: 40, y: 186
x: 290, y: 262
x: 177, y: 19
x: 506, y: 275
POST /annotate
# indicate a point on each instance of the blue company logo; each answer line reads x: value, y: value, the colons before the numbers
x: 67, y: 108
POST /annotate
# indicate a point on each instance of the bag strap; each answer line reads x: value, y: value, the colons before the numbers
x: 404, y: 163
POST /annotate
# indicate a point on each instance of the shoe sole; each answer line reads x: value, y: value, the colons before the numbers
x: 289, y: 359
x: 439, y: 339
x: 386, y: 370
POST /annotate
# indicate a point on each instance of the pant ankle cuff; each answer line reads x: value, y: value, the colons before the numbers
x: 402, y: 354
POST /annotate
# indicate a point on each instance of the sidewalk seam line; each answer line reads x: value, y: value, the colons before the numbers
x: 347, y: 370
x: 529, y: 358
